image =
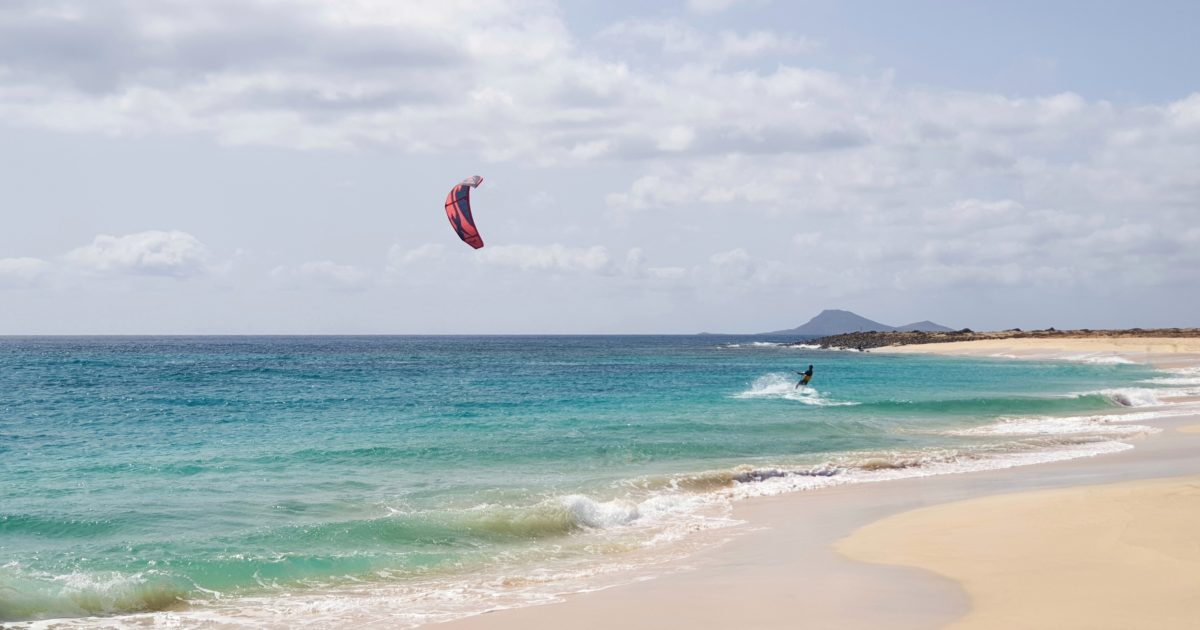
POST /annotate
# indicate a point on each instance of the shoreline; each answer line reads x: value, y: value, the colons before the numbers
x: 1162, y: 352
x: 867, y: 340
x: 784, y: 571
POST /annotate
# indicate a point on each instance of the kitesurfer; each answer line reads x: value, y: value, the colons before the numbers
x: 805, y: 377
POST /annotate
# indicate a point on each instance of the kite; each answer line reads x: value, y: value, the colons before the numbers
x: 458, y: 210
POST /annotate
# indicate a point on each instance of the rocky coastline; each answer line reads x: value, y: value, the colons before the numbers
x: 870, y: 339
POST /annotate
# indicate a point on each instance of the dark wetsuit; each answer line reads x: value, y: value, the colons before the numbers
x: 806, y: 376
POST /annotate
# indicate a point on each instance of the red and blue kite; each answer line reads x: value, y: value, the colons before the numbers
x: 458, y: 210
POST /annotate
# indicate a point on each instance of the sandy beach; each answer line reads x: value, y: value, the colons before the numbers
x: 1098, y: 542
x: 1158, y: 351
x: 1109, y: 556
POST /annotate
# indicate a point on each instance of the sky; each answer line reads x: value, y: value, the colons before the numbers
x: 279, y: 166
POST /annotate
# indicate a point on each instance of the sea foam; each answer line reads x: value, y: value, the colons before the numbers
x: 781, y: 386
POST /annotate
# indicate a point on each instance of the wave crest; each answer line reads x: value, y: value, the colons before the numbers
x: 28, y: 597
x: 1132, y: 396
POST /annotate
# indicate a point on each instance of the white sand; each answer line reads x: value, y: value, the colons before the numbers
x: 1112, y: 556
x: 1161, y: 351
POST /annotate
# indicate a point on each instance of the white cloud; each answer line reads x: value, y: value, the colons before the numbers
x: 554, y: 257
x: 737, y: 268
x: 154, y: 252
x: 323, y: 274
x: 370, y: 76
x: 1185, y: 113
x: 644, y: 39
x: 712, y: 6
x: 635, y: 267
x: 806, y: 239
x: 399, y: 257
x: 758, y: 43
x: 973, y: 212
x: 22, y: 272
x: 669, y: 36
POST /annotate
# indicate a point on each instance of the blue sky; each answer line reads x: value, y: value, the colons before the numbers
x: 719, y: 165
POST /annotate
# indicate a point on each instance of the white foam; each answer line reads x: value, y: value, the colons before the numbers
x: 1185, y: 371
x: 1173, y: 380
x: 1145, y: 396
x: 773, y: 344
x: 1102, y: 359
x: 1178, y: 376
x: 928, y: 465
x: 600, y: 514
x: 1130, y: 396
x: 1110, y: 425
x: 782, y: 386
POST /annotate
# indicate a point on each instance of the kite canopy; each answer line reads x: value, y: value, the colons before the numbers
x: 458, y: 210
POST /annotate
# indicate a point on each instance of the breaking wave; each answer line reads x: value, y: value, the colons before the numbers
x: 1178, y: 376
x: 77, y: 594
x: 773, y: 344
x: 1144, y: 396
x: 873, y: 466
x: 1115, y: 426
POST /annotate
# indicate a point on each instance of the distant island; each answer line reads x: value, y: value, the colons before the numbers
x: 837, y: 322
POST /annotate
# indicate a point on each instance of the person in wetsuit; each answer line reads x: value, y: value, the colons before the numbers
x: 805, y: 377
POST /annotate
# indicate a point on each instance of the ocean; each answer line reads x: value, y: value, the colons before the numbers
x: 251, y: 481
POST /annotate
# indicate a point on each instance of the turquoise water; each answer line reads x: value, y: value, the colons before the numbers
x: 145, y: 474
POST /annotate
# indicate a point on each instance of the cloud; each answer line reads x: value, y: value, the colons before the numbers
x: 154, y: 252
x: 502, y: 79
x: 651, y: 41
x: 22, y: 272
x: 554, y: 257
x: 398, y: 257
x: 669, y: 36
x: 737, y: 268
x: 973, y: 212
x: 710, y: 139
x: 300, y: 73
x: 712, y: 6
x: 756, y: 43
x: 506, y: 80
x: 323, y: 274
